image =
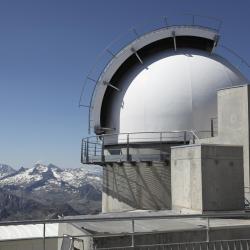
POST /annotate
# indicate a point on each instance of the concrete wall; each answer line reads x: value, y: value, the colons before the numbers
x: 186, y: 177
x: 136, y: 186
x: 207, y: 178
x: 233, y: 123
x: 32, y: 244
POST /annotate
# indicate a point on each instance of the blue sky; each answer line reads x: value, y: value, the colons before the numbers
x: 46, y: 50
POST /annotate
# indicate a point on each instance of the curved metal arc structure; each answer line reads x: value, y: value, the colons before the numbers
x: 194, y: 16
x: 105, y: 64
x: 235, y: 54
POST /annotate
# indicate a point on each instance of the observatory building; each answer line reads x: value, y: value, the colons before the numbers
x: 159, y: 121
x: 169, y: 119
x: 169, y: 123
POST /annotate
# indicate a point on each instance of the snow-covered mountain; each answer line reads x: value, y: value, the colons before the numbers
x: 71, y: 191
x: 6, y: 170
x: 51, y: 176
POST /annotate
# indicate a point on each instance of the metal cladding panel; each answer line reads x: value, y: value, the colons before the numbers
x: 171, y: 91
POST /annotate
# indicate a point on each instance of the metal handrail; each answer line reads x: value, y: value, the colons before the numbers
x: 146, y: 132
x: 133, y: 219
x: 93, y: 147
x: 104, y: 217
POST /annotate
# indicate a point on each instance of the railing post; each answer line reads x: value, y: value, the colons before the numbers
x: 185, y: 137
x: 208, y: 228
x: 103, y: 157
x: 127, y: 147
x: 133, y: 234
x: 161, y: 146
x: 166, y: 21
x: 44, y: 235
x: 212, y: 127
x: 82, y: 152
x: 87, y: 150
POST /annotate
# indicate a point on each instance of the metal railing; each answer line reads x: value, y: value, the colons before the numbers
x: 97, y: 149
x: 133, y: 34
x: 205, y: 222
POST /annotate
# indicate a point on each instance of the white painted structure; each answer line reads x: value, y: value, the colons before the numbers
x: 27, y: 231
x: 29, y: 237
x: 171, y: 89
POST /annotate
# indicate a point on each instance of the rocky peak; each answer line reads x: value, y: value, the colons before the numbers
x: 6, y: 170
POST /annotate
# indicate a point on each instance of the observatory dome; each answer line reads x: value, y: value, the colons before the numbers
x: 171, y: 90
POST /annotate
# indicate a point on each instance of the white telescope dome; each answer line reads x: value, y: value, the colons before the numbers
x: 171, y: 90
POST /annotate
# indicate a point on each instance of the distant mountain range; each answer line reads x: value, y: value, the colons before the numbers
x: 6, y: 170
x: 48, y: 191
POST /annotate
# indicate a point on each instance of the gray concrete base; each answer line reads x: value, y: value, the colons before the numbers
x: 140, y: 185
x: 233, y: 123
x: 207, y: 178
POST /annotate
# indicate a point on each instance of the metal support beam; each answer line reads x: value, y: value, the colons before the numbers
x: 85, y: 106
x: 110, y: 52
x: 138, y: 57
x: 216, y: 39
x: 173, y: 34
x: 91, y: 79
x: 193, y: 20
x: 165, y: 21
x: 111, y: 85
x: 135, y: 32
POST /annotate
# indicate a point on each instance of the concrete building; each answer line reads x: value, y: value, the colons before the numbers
x: 172, y: 134
x: 158, y: 92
